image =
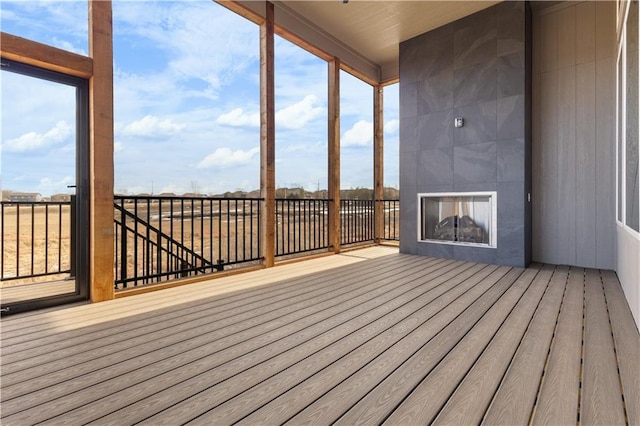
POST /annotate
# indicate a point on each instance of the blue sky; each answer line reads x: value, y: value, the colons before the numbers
x: 186, y: 104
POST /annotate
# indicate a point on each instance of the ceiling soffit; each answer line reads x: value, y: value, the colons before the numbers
x: 365, y: 35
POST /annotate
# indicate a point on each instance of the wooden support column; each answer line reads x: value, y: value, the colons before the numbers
x: 378, y: 163
x: 334, y: 155
x: 101, y: 254
x: 267, y: 137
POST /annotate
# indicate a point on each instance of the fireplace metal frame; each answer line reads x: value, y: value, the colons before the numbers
x: 493, y: 234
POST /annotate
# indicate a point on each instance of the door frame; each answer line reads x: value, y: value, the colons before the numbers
x: 82, y: 213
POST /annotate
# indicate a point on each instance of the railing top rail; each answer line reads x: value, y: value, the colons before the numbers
x: 35, y: 203
x: 303, y: 199
x: 179, y: 198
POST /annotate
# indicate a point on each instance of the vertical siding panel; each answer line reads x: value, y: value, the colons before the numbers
x: 547, y: 143
x: 567, y: 166
x: 536, y: 149
x: 566, y: 37
x: 605, y: 29
x: 549, y: 42
x: 605, y: 135
x: 605, y: 164
x: 549, y: 166
x: 586, y: 153
x: 585, y: 32
x: 574, y: 157
x: 606, y: 125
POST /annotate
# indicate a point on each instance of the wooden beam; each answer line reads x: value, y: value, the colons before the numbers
x: 242, y: 10
x: 40, y: 55
x: 359, y: 75
x: 101, y: 254
x: 302, y: 43
x: 267, y: 137
x: 390, y: 81
x: 378, y: 163
x: 185, y: 281
x: 253, y: 11
x: 334, y: 154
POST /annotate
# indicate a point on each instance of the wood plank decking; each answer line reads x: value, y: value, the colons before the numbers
x: 367, y: 337
x: 20, y: 292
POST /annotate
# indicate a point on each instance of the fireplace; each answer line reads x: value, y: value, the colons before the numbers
x: 467, y: 218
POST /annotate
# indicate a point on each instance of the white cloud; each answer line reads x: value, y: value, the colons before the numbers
x: 356, y: 97
x: 224, y: 157
x: 294, y: 116
x: 48, y: 185
x: 299, y: 114
x: 239, y: 118
x: 32, y: 141
x: 186, y: 30
x: 42, y: 21
x: 152, y: 126
x: 391, y: 126
x: 190, y: 64
x: 318, y: 147
x: 361, y: 134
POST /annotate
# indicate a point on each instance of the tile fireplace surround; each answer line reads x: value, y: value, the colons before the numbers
x: 477, y: 69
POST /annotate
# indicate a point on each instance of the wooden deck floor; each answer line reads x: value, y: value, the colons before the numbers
x: 20, y: 292
x: 367, y: 337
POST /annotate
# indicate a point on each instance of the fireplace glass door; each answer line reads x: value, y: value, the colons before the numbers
x: 458, y: 218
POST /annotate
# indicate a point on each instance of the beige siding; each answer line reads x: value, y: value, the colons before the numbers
x: 574, y: 205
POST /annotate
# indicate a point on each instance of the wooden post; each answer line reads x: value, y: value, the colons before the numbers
x: 334, y: 154
x: 378, y: 162
x: 267, y: 137
x: 101, y: 275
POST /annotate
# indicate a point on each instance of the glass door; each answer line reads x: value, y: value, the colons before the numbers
x: 44, y: 188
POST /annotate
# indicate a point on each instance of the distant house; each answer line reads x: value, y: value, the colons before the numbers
x: 61, y: 198
x: 27, y: 197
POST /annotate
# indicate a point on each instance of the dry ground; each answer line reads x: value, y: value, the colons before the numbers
x: 35, y: 242
x: 39, y: 240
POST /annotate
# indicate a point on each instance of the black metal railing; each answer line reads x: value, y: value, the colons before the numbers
x: 391, y: 220
x: 357, y: 219
x: 164, y: 238
x: 301, y: 226
x: 36, y: 239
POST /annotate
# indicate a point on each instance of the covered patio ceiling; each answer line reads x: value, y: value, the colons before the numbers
x: 364, y: 34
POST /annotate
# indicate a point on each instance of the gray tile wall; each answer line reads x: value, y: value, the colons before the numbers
x: 472, y: 68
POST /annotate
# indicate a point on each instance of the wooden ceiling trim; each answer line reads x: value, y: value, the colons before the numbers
x: 302, y: 43
x: 357, y: 74
x: 390, y: 81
